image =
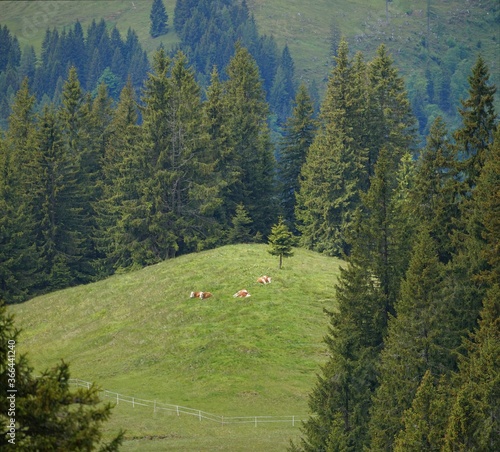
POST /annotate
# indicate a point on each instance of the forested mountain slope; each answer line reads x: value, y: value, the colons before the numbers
x: 434, y: 43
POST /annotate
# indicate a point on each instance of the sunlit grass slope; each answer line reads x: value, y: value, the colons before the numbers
x: 140, y: 334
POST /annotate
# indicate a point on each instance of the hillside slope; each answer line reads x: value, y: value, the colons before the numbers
x: 140, y: 334
x: 434, y: 40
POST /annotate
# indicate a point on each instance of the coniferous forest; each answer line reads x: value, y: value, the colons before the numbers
x: 104, y: 174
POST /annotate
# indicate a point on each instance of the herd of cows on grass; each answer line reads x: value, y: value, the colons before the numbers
x: 243, y: 293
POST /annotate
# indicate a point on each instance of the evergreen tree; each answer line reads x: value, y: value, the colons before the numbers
x: 465, y: 287
x: 58, y: 196
x: 265, y: 52
x: 331, y: 178
x: 366, y: 294
x: 341, y: 398
x: 433, y: 199
x: 181, y: 13
x: 474, y: 419
x: 120, y: 230
x: 19, y: 255
x: 78, y: 51
x: 174, y: 155
x: 240, y: 232
x: 74, y: 116
x: 281, y: 241
x: 219, y: 148
x: 486, y: 208
x: 247, y: 121
x: 298, y: 135
x: 158, y: 18
x: 415, y: 343
x: 27, y: 68
x: 377, y: 232
x: 478, y: 124
x: 425, y: 421
x: 390, y: 121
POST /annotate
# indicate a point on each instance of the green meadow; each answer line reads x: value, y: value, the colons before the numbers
x: 141, y: 335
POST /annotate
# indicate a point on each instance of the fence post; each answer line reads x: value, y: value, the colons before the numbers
x: 199, y: 414
x: 255, y: 421
x: 177, y: 410
x: 117, y: 398
x: 293, y: 421
x: 133, y: 402
x: 154, y: 410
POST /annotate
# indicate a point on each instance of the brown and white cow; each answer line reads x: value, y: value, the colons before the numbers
x: 200, y: 295
x: 243, y: 293
x: 264, y: 280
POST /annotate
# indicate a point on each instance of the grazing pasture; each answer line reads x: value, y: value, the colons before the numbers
x: 140, y: 334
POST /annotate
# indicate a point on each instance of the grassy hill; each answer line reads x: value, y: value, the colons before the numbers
x: 141, y: 335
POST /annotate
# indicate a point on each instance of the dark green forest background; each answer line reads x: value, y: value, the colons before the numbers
x: 111, y: 162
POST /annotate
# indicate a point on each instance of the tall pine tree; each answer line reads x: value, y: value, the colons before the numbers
x: 416, y: 342
x: 478, y: 124
x: 250, y: 139
x: 20, y: 261
x: 158, y: 18
x: 298, y: 135
x: 331, y: 176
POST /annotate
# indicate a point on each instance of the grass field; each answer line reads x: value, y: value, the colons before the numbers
x: 139, y: 334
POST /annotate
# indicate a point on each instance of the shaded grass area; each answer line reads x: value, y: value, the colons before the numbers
x: 189, y: 434
x: 139, y: 334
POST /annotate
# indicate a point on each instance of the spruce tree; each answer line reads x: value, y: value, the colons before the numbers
x: 298, y: 134
x: 475, y: 144
x: 250, y: 138
x: 425, y: 421
x: 486, y: 209
x: 478, y: 124
x: 389, y: 121
x: 75, y: 121
x: 282, y: 91
x: 241, y: 230
x: 415, y: 343
x: 377, y: 233
x: 177, y: 212
x: 58, y: 195
x: 331, y: 178
x: 281, y: 241
x: 433, y: 199
x: 366, y: 293
x: 217, y: 161
x: 474, y: 417
x: 20, y: 259
x: 341, y: 398
x: 118, y: 209
x: 158, y: 18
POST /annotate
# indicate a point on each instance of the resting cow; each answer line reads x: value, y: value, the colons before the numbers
x: 264, y: 280
x: 243, y: 293
x: 200, y: 295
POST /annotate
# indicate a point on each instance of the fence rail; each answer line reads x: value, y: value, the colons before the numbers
x: 178, y: 409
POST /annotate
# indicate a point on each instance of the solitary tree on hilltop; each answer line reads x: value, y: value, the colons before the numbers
x: 159, y: 18
x: 281, y: 241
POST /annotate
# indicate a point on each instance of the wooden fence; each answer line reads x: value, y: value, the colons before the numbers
x: 178, y: 409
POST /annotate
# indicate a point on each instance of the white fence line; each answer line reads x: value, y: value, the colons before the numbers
x: 178, y: 409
